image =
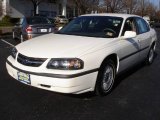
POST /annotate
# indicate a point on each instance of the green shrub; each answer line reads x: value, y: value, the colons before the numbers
x: 6, y: 21
x: 14, y: 20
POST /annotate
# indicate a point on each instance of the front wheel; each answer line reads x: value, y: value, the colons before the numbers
x: 105, y: 78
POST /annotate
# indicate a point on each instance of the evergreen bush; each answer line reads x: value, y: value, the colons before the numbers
x: 6, y: 21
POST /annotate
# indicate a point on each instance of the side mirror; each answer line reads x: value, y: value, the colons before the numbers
x: 130, y: 34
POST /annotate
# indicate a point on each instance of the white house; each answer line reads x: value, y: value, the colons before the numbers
x: 20, y: 8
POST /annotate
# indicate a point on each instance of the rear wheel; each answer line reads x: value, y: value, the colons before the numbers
x: 150, y: 57
x: 105, y: 78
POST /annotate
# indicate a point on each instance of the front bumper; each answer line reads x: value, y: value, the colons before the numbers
x: 75, y: 84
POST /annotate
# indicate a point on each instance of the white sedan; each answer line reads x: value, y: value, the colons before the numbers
x: 85, y: 55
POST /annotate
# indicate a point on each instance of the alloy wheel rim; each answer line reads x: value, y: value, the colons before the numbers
x: 107, y: 78
x: 151, y: 55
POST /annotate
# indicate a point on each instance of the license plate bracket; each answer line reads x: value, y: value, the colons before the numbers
x: 24, y: 78
x: 43, y: 30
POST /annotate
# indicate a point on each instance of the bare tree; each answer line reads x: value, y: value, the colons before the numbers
x: 150, y: 10
x: 139, y: 7
x: 145, y: 8
x: 157, y: 18
x: 114, y: 5
x: 131, y: 6
x: 142, y: 7
x: 85, y: 6
x: 35, y: 5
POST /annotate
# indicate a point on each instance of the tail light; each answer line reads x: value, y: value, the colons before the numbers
x: 29, y: 29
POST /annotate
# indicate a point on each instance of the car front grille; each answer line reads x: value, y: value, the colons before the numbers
x: 29, y: 61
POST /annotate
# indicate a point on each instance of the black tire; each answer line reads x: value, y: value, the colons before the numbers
x: 105, y: 79
x: 150, y: 56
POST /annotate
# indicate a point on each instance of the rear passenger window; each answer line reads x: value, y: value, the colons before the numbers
x: 142, y: 25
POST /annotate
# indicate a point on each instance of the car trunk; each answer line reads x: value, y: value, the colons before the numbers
x: 40, y: 29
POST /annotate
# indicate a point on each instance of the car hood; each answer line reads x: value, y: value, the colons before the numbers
x: 59, y: 45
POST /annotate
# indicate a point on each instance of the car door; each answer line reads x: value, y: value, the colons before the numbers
x: 143, y: 36
x: 129, y: 47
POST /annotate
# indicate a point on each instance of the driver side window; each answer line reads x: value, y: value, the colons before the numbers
x: 129, y: 26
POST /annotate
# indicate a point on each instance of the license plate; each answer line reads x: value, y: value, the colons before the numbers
x: 43, y: 30
x: 24, y: 78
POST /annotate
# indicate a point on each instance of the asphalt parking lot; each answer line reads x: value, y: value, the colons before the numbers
x: 136, y: 96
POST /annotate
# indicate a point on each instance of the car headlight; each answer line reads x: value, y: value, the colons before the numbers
x: 66, y: 64
x: 14, y: 52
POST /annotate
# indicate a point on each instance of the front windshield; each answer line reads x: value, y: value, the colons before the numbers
x: 94, y: 26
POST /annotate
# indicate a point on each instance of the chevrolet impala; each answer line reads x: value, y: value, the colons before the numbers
x: 85, y: 55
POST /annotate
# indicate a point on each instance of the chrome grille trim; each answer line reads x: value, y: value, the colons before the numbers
x: 30, y: 61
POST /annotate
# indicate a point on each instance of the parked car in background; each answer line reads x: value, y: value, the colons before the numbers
x: 85, y: 55
x: 29, y: 27
x: 61, y: 19
x: 71, y: 18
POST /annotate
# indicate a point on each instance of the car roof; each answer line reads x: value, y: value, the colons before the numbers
x: 113, y: 15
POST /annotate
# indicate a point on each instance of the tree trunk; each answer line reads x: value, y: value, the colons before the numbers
x: 35, y: 9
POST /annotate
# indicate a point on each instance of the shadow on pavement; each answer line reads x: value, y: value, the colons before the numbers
x: 119, y: 78
x: 125, y: 74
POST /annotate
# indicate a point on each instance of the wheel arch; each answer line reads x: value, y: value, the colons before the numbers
x: 153, y: 44
x: 115, y: 60
x: 114, y: 57
x: 153, y: 39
